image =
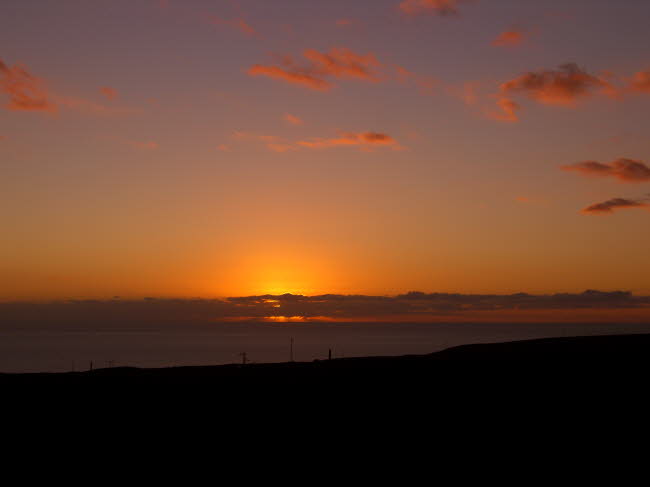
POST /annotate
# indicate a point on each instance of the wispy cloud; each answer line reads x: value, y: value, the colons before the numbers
x: 294, y: 76
x: 91, y: 107
x: 293, y: 119
x: 26, y: 92
x: 439, y: 7
x: 507, y: 110
x: 364, y: 141
x: 510, y: 38
x: 427, y: 85
x: 640, y: 82
x: 614, y: 204
x: 145, y: 145
x: 238, y: 24
x: 108, y: 92
x: 564, y: 86
x: 339, y: 63
x: 624, y: 170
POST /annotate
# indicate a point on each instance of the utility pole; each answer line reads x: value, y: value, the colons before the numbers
x: 329, y: 355
x: 243, y: 358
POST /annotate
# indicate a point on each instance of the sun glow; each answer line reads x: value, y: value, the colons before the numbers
x: 285, y: 271
x: 285, y: 319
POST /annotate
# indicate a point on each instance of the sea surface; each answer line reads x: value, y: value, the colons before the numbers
x: 60, y: 349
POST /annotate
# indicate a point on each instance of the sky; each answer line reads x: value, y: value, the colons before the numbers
x: 215, y: 148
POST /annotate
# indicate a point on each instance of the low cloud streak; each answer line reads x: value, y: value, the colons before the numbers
x: 624, y: 170
x: 610, y: 206
x: 413, y: 306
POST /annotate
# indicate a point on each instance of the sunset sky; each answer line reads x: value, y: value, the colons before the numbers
x: 218, y: 148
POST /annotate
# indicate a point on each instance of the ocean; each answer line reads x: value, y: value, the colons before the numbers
x: 57, y: 348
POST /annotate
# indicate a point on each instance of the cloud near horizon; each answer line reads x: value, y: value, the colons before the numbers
x: 339, y: 62
x: 609, y: 206
x: 26, y: 91
x: 409, y: 307
x: 624, y: 170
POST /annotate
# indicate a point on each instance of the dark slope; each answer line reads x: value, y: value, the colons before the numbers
x: 543, y: 356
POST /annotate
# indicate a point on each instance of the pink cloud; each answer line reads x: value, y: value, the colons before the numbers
x: 239, y: 24
x: 90, y: 107
x: 338, y: 63
x: 292, y: 119
x: 564, y: 86
x: 614, y: 204
x: 625, y: 170
x: 439, y: 7
x: 427, y: 85
x: 341, y: 62
x: 507, y: 112
x: 365, y: 140
x: 26, y: 92
x: 146, y: 145
x: 509, y: 38
x: 291, y: 76
x: 640, y: 82
x: 108, y: 92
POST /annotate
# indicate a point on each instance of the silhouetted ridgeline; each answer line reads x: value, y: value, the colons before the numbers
x: 588, y: 354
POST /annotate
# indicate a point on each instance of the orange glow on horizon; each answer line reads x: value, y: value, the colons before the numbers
x: 285, y: 271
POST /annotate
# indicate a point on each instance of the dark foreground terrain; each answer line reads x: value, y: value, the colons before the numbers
x: 580, y: 359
